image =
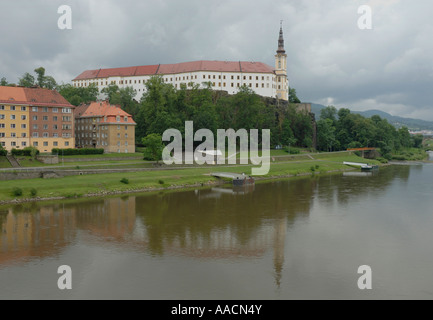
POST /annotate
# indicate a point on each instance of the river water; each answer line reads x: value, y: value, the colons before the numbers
x: 302, y: 238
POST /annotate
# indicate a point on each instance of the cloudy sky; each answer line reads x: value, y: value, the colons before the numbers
x: 330, y: 59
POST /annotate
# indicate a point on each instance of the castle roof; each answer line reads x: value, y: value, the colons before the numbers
x: 184, y: 67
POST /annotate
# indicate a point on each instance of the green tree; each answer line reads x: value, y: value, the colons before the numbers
x: 330, y: 112
x: 158, y: 110
x: 123, y: 97
x: 3, y: 151
x: 293, y: 98
x: 404, y: 137
x: 326, y: 134
x: 50, y: 83
x: 287, y: 136
x: 27, y: 80
x: 417, y: 140
x: 40, y: 76
x: 3, y: 82
x: 154, y: 147
x: 78, y: 95
x: 33, y: 152
x: 41, y: 80
x: 302, y: 128
x: 110, y: 91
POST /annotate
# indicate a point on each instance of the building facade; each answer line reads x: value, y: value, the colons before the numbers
x: 222, y: 75
x: 35, y: 117
x: 105, y: 126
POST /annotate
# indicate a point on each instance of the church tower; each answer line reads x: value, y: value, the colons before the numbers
x: 282, y: 84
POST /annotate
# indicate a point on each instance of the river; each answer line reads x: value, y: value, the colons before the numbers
x: 302, y: 238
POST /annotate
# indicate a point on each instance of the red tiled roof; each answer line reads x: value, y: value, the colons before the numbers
x: 118, y: 72
x: 184, y: 67
x: 103, y: 109
x: 33, y: 97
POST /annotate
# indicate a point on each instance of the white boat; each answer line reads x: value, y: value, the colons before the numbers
x: 363, y: 166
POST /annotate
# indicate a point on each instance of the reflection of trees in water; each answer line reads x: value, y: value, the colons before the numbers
x: 344, y: 189
x: 110, y: 218
x: 29, y: 231
x: 193, y: 218
x: 35, y: 229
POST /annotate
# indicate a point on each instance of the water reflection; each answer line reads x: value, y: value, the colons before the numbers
x: 217, y: 224
x: 34, y: 232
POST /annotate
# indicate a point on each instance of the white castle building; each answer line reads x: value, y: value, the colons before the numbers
x: 222, y: 75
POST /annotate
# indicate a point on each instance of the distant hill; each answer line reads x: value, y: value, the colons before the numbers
x: 412, y: 124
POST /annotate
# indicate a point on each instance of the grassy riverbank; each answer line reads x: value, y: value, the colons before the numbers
x: 102, y: 184
x: 410, y: 154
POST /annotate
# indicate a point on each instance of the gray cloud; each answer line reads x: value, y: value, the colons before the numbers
x: 330, y: 60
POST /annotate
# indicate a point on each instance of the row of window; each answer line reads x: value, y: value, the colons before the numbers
x: 12, y: 117
x: 13, y: 135
x: 54, y: 135
x: 232, y: 77
x: 36, y: 127
x: 102, y: 143
x: 36, y: 109
x: 34, y: 135
x: 13, y: 108
x: 35, y: 118
x: 35, y: 144
x: 96, y: 135
x: 55, y: 110
x: 82, y: 128
x: 13, y: 126
x: 97, y: 120
x: 219, y: 85
x: 81, y: 83
x: 55, y: 127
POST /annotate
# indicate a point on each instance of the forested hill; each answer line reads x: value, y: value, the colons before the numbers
x: 412, y: 124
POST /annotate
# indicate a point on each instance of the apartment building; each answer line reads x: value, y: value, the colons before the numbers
x: 35, y: 117
x: 102, y: 125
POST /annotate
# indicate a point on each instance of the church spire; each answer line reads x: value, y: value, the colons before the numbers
x: 281, y: 40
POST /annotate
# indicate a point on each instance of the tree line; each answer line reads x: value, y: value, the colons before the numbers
x: 341, y: 129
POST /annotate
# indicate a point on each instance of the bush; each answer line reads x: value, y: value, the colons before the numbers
x: 3, y: 152
x: 17, y: 192
x: 399, y: 157
x: 26, y: 152
x: 76, y: 152
x: 388, y: 156
x: 292, y: 150
x: 382, y: 160
x: 313, y: 169
x: 161, y: 182
x: 33, y: 192
x: 124, y: 181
